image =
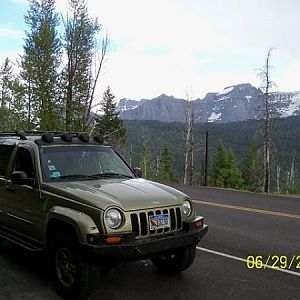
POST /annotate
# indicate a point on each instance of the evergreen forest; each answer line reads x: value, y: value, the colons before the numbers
x: 234, y: 150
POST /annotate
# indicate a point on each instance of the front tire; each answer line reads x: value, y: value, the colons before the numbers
x: 74, y: 277
x: 175, y: 262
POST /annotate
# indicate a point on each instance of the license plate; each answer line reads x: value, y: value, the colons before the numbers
x: 159, y: 221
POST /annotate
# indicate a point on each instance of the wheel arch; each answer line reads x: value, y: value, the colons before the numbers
x: 70, y: 221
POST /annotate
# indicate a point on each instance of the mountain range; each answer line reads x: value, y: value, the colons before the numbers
x: 235, y: 103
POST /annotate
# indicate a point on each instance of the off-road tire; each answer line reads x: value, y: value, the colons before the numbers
x: 82, y: 273
x: 176, y: 262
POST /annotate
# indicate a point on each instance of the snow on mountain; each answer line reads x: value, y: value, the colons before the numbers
x: 214, y: 117
x: 288, y: 104
x: 235, y: 103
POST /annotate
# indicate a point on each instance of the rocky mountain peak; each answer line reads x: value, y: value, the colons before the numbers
x: 234, y: 103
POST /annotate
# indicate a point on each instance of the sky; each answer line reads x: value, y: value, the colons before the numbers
x: 182, y: 48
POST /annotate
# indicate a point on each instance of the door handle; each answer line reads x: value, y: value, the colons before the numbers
x: 10, y: 188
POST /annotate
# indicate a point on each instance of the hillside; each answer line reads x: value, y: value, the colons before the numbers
x: 238, y: 135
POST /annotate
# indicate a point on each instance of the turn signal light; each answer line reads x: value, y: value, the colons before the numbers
x: 199, y: 224
x: 113, y: 240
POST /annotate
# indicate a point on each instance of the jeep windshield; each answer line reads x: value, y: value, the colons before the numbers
x: 73, y: 162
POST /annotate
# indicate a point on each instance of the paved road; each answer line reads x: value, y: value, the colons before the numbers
x: 240, y: 224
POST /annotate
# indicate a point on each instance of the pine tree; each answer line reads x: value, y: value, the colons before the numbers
x: 5, y: 93
x: 252, y: 171
x: 166, y: 172
x: 230, y: 175
x: 218, y: 164
x: 79, y: 44
x: 12, y: 106
x: 40, y: 64
x: 225, y: 171
x: 109, y: 124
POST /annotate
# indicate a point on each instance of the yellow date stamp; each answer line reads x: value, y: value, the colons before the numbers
x: 273, y: 261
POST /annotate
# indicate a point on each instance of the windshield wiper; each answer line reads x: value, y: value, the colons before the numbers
x: 110, y: 175
x: 76, y: 176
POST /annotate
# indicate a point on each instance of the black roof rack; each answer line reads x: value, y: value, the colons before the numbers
x: 20, y: 134
x: 47, y: 136
x: 23, y: 134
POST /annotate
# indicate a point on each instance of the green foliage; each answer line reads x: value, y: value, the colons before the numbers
x: 230, y: 174
x: 166, y: 172
x: 219, y: 165
x: 225, y: 171
x: 40, y: 63
x: 12, y: 105
x: 252, y: 170
x: 238, y: 136
x: 109, y: 124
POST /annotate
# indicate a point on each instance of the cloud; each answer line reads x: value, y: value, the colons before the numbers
x: 7, y: 32
x: 169, y: 46
x: 288, y: 80
x: 13, y: 56
x: 19, y: 1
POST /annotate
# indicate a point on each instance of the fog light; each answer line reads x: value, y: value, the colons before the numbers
x: 92, y: 239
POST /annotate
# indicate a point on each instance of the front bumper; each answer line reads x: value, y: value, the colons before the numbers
x: 132, y: 248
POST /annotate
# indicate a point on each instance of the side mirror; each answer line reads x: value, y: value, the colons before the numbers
x: 138, y: 172
x: 20, y: 177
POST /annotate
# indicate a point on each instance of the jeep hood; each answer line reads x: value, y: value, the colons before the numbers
x: 131, y: 194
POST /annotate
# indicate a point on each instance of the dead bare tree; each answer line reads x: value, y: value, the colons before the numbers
x: 189, y: 143
x: 267, y: 113
x: 290, y: 182
x: 278, y: 171
x: 100, y: 57
x: 158, y: 159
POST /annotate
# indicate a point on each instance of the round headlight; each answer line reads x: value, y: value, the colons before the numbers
x: 187, y: 208
x: 113, y: 218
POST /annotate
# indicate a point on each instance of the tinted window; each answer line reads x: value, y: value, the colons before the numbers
x: 24, y: 162
x: 5, y: 153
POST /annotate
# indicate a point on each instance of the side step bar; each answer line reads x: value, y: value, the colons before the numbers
x: 21, y: 241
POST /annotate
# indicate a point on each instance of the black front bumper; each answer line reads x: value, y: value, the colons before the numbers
x: 132, y: 248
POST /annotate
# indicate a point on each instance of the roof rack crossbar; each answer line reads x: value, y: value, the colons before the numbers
x: 23, y: 134
x: 20, y: 134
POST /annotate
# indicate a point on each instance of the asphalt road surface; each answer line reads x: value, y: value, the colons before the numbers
x: 241, y: 225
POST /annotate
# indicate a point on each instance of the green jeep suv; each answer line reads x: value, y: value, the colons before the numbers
x: 74, y: 196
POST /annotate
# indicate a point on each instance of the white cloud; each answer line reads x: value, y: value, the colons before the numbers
x: 190, y: 32
x: 167, y: 46
x: 288, y: 80
x: 20, y: 1
x: 7, y: 32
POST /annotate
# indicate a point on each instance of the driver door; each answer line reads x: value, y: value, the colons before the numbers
x: 23, y: 204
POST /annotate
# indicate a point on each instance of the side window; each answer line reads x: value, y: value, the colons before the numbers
x: 24, y: 162
x: 5, y: 153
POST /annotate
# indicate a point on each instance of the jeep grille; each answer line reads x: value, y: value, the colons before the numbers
x: 140, y: 221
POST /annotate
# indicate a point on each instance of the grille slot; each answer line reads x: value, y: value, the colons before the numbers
x: 144, y: 223
x: 178, y: 216
x: 140, y: 221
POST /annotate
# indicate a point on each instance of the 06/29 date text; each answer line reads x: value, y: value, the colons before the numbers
x: 273, y: 261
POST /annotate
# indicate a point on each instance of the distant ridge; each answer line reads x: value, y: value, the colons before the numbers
x: 235, y: 103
